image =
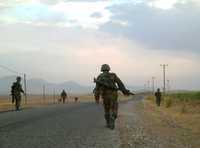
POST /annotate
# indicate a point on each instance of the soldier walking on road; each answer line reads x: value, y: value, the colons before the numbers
x: 158, y: 96
x: 63, y: 96
x: 16, y: 91
x: 107, y: 86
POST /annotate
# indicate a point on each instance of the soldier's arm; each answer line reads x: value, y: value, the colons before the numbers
x: 121, y: 86
x: 96, y: 92
x: 21, y: 89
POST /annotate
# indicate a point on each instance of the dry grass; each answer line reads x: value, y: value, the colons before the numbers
x: 38, y: 100
x: 183, y: 117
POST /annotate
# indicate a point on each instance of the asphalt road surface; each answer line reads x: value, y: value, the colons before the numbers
x: 58, y: 126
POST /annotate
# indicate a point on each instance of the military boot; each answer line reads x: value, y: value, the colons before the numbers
x: 107, y: 118
x: 112, y: 122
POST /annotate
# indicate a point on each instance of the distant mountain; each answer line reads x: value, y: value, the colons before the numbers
x: 35, y: 86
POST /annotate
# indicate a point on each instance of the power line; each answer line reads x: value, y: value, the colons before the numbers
x: 10, y: 70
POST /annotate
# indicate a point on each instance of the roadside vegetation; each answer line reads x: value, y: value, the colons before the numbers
x: 179, y: 110
x: 180, y: 98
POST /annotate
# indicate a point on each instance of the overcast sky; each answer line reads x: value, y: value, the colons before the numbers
x: 61, y: 40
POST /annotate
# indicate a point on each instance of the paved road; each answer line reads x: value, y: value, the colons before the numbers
x: 60, y: 126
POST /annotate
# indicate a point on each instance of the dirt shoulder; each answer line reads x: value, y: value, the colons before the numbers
x: 143, y: 125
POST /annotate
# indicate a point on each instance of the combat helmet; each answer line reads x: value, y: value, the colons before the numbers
x: 105, y: 67
x: 18, y: 78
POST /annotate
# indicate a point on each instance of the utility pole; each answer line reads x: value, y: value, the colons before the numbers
x: 153, y: 84
x: 44, y: 93
x: 164, y: 76
x: 25, y: 89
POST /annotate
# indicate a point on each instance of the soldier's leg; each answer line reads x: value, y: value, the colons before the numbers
x: 114, y: 109
x: 114, y: 106
x: 15, y: 101
x: 159, y: 101
x: 19, y: 102
x: 13, y: 98
x: 106, y: 104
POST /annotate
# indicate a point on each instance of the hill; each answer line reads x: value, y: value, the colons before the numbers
x: 35, y: 86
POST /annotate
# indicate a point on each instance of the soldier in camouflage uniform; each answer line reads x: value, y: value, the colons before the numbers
x: 16, y: 91
x: 63, y: 96
x: 158, y: 96
x: 107, y: 86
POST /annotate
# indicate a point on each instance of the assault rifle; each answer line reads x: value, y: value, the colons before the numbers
x: 127, y: 92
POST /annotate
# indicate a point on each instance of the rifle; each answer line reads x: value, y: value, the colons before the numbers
x: 104, y: 84
x: 127, y: 92
x: 130, y: 93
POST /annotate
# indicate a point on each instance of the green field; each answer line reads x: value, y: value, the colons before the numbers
x: 185, y: 96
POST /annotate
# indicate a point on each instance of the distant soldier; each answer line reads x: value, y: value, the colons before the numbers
x: 76, y: 99
x: 158, y: 96
x: 16, y: 90
x: 63, y: 96
x: 107, y: 86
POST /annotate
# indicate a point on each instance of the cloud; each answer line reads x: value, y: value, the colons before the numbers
x: 174, y: 29
x: 96, y: 15
x: 135, y: 40
x: 31, y: 13
x: 60, y: 13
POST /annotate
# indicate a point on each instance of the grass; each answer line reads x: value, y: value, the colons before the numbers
x: 180, y: 109
x: 182, y: 120
x: 185, y: 96
x: 184, y: 103
x: 38, y: 100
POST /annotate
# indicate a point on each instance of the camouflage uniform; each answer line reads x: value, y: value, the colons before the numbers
x: 158, y: 97
x: 63, y: 95
x: 16, y: 91
x: 107, y: 86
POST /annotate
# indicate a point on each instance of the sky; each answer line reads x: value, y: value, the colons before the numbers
x: 62, y: 40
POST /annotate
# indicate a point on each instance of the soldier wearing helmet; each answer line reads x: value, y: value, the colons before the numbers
x: 105, y: 67
x: 107, y: 86
x: 16, y: 91
x: 63, y: 96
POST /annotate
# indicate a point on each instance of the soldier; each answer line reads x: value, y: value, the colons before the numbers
x: 76, y: 99
x: 63, y: 96
x: 106, y: 88
x: 16, y: 91
x: 158, y: 96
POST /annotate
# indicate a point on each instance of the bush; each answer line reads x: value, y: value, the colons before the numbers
x: 151, y: 98
x: 168, y: 102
